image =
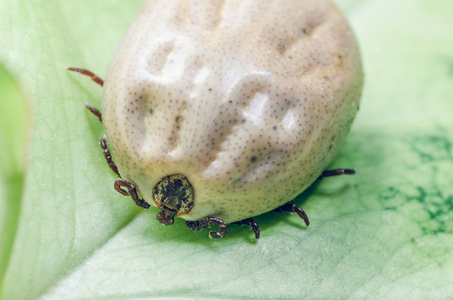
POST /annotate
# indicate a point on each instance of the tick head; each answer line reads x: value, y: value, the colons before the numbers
x: 174, y: 195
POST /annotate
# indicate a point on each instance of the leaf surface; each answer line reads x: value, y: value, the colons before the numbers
x: 386, y: 232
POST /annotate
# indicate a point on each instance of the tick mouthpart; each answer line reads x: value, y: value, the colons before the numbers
x: 169, y: 208
x: 172, y: 203
x: 166, y: 216
x: 174, y: 195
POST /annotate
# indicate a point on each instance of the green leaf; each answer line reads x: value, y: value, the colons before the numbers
x: 12, y: 134
x: 386, y: 232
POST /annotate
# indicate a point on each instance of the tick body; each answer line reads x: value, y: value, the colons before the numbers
x: 218, y: 111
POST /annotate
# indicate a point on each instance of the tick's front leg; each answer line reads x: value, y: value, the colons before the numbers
x: 252, y: 223
x: 294, y: 208
x: 206, y: 222
x: 108, y: 157
x: 131, y: 191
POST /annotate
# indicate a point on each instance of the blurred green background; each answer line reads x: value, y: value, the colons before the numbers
x: 66, y: 234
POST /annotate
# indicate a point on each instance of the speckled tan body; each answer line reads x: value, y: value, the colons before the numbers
x: 249, y: 99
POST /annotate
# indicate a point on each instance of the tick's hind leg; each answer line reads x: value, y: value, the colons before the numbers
x: 94, y: 111
x: 336, y: 172
x: 205, y: 223
x: 96, y: 79
x: 88, y: 73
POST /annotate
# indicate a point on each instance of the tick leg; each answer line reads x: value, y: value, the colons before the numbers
x: 294, y: 208
x: 96, y: 79
x: 336, y: 172
x: 119, y: 183
x: 93, y: 76
x: 206, y: 222
x: 131, y: 191
x: 252, y: 223
x: 94, y: 111
x: 108, y: 157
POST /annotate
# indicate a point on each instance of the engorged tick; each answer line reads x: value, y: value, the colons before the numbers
x: 223, y: 112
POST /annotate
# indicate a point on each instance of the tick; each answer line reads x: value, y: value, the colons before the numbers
x: 220, y: 111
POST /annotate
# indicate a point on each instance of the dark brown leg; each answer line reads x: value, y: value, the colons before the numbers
x: 206, y: 222
x: 294, y: 208
x: 94, y: 111
x: 252, y: 223
x: 336, y: 172
x: 131, y: 191
x: 108, y: 157
x: 119, y: 183
x: 93, y: 76
x: 96, y: 79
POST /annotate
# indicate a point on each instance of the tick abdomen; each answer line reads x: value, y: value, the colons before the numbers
x: 249, y: 100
